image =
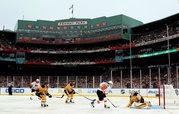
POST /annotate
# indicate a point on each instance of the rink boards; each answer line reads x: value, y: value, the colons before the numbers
x: 85, y: 91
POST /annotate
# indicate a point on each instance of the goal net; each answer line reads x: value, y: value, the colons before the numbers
x: 168, y: 97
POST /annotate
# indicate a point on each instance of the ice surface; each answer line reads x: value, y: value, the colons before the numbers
x: 23, y: 105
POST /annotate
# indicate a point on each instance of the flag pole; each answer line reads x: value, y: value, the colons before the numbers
x: 72, y: 9
x: 72, y: 12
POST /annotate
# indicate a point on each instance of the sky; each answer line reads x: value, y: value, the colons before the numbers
x: 143, y: 10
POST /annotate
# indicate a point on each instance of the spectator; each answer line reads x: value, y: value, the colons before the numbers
x: 10, y: 85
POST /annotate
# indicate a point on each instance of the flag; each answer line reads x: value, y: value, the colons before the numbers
x: 71, y: 7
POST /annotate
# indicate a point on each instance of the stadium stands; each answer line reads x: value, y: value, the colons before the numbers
x: 90, y: 57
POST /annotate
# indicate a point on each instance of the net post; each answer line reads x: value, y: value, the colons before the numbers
x: 159, y: 95
x: 164, y: 97
x: 159, y: 87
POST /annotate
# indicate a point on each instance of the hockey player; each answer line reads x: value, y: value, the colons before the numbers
x: 138, y: 101
x: 104, y: 89
x: 10, y: 86
x: 34, y: 87
x: 43, y: 92
x: 69, y: 91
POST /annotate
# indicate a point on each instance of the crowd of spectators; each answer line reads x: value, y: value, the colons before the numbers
x: 167, y: 30
x: 69, y: 41
x: 96, y: 48
x: 72, y: 59
x: 154, y: 48
x: 144, y: 78
x: 121, y: 78
x: 6, y: 44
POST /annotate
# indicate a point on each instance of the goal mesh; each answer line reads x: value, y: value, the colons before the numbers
x: 168, y: 97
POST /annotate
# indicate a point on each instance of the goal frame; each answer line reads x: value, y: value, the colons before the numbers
x: 168, y: 97
x: 162, y: 98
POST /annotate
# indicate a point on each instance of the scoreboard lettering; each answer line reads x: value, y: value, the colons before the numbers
x: 72, y: 23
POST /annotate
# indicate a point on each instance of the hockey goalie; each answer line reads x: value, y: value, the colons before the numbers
x: 137, y: 101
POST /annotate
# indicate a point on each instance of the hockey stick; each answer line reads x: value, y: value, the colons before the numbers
x: 86, y: 97
x: 61, y: 96
x: 31, y: 98
x: 92, y: 100
x: 112, y: 103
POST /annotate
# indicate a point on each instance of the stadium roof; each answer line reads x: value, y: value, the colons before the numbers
x: 7, y: 31
x: 156, y: 24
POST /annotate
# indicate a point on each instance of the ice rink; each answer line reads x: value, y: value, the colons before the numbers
x: 23, y: 105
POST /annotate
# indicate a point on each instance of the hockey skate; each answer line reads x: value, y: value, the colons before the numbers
x: 92, y: 104
x: 106, y: 106
x: 44, y: 105
x: 66, y: 101
x: 71, y: 101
